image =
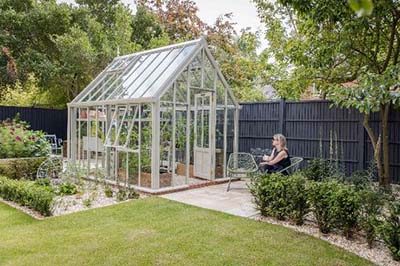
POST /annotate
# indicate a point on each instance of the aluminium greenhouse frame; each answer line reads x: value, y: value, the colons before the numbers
x: 148, y: 114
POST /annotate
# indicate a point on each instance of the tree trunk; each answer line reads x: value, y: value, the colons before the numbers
x: 376, y: 145
x: 385, y: 180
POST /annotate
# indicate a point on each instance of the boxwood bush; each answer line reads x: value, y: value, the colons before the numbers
x: 281, y: 196
x: 390, y: 230
x: 27, y: 193
x: 20, y: 168
x: 322, y: 202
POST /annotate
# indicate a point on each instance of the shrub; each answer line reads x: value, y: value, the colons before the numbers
x: 361, y: 179
x: 18, y: 141
x: 318, y: 170
x: 273, y: 189
x: 109, y: 192
x: 87, y: 203
x: 297, y: 195
x: 281, y: 196
x: 20, y: 168
x: 390, y: 230
x: 322, y: 201
x: 121, y: 195
x: 370, y: 209
x: 133, y: 194
x: 43, y: 182
x: 27, y: 193
x: 346, y: 208
x: 67, y: 189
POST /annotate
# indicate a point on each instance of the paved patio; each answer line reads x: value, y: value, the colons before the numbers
x: 237, y: 201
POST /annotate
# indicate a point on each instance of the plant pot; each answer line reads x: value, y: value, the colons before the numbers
x: 83, y: 114
x: 181, y: 170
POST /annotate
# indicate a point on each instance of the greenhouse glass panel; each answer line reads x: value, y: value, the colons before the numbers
x: 156, y: 120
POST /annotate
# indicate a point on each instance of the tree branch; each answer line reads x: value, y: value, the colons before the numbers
x: 391, y: 42
x: 375, y: 144
x: 367, y: 57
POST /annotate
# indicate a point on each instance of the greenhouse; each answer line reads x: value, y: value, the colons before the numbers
x: 158, y: 119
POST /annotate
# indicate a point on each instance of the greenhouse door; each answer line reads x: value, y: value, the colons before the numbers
x: 202, y: 135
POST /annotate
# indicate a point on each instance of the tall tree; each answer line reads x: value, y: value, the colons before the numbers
x: 332, y: 45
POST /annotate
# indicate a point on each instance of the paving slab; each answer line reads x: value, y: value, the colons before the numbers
x: 237, y: 201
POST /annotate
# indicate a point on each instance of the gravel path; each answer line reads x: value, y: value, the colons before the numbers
x: 379, y: 254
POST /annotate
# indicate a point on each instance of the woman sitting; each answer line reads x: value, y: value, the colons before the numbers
x: 279, y: 158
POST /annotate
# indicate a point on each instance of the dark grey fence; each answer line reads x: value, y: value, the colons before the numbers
x: 50, y: 121
x: 313, y: 129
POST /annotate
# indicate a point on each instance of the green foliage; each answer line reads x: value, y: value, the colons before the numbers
x: 362, y: 7
x: 87, y: 203
x: 45, y: 182
x: 270, y: 195
x: 21, y: 168
x: 346, y: 208
x: 122, y: 194
x: 16, y: 140
x: 108, y: 191
x: 390, y: 230
x: 145, y: 28
x: 373, y: 91
x: 67, y: 189
x: 27, y: 193
x: 281, y: 196
x: 297, y: 194
x: 321, y: 196
x: 361, y: 179
x: 372, y: 203
x: 318, y: 170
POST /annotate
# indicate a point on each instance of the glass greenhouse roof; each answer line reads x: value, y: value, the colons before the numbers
x: 139, y: 75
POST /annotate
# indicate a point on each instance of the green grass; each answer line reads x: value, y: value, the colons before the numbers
x: 156, y: 231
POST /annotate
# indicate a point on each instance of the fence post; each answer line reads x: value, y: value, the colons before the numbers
x: 282, y: 116
x: 361, y: 143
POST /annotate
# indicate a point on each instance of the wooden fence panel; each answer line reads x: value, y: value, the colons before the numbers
x: 50, y: 121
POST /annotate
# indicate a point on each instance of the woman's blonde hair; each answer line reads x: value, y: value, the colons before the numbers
x: 281, y: 138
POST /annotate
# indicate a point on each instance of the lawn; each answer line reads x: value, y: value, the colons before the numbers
x: 156, y: 231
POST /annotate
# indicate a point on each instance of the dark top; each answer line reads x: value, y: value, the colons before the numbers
x: 284, y: 162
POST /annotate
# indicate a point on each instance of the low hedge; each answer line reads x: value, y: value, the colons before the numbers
x: 281, y: 196
x: 27, y: 193
x: 20, y: 168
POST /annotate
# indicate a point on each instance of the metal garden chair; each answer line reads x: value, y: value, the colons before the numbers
x: 240, y: 164
x: 294, y: 165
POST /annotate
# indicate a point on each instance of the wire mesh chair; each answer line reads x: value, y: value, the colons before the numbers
x: 50, y: 168
x: 240, y: 164
x: 294, y: 165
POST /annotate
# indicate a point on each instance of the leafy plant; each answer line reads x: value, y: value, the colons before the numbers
x: 67, y: 189
x: 371, y: 207
x: 133, y: 194
x: 87, y: 202
x: 43, y: 182
x: 20, y: 168
x: 345, y: 208
x: 297, y: 194
x: 390, y: 230
x: 121, y: 195
x: 318, y: 170
x: 322, y: 202
x: 108, y: 192
x: 27, y: 193
x: 17, y: 140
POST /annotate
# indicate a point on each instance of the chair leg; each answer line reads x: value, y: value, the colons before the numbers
x: 229, y: 183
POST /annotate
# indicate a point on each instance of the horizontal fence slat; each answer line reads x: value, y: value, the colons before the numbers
x: 310, y: 124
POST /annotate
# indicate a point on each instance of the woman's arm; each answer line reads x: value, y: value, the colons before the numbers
x: 269, y: 158
x: 278, y: 158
